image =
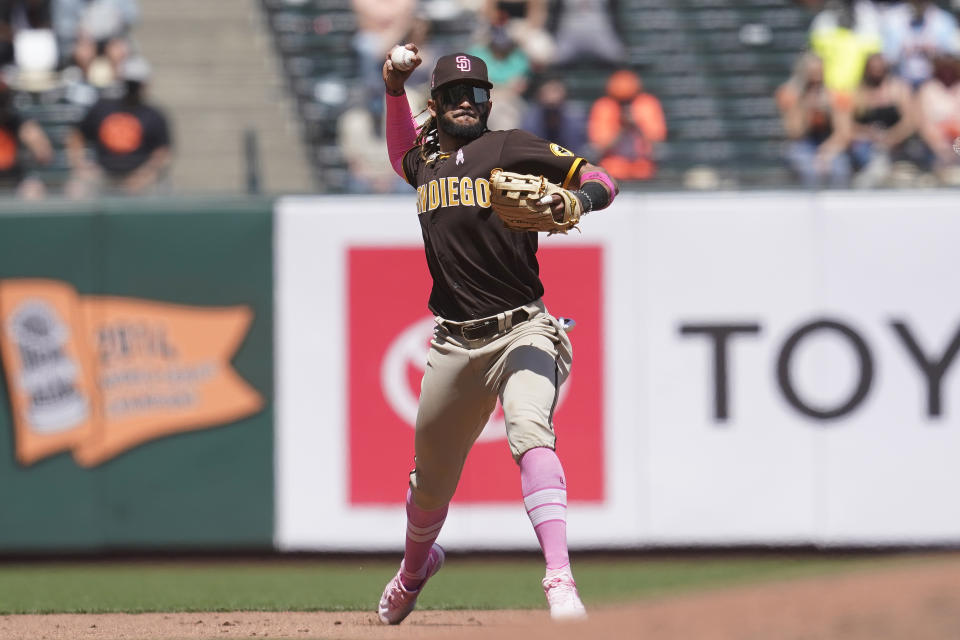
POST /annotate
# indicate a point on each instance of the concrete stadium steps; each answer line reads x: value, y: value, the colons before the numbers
x: 216, y: 75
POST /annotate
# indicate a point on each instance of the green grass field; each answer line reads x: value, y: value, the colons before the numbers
x: 311, y: 584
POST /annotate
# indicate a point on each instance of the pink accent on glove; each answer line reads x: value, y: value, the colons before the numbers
x: 601, y: 177
x: 401, y: 131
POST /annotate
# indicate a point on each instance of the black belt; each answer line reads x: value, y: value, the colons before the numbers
x: 486, y: 328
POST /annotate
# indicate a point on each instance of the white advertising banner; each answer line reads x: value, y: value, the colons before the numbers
x: 748, y: 369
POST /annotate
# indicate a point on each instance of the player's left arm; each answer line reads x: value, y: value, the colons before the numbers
x: 589, y: 183
x: 596, y: 190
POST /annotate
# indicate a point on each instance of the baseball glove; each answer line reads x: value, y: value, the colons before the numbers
x: 516, y: 199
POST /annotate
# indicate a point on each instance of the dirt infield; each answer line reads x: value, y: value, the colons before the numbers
x: 917, y: 601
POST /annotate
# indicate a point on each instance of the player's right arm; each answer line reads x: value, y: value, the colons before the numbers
x: 401, y: 129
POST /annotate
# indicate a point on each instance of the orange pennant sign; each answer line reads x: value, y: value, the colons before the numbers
x: 99, y: 375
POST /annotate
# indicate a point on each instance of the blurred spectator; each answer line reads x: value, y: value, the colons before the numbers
x: 381, y: 24
x: 862, y: 16
x: 507, y: 64
x: 939, y: 100
x: 843, y: 35
x: 553, y: 118
x: 509, y: 71
x: 20, y: 15
x: 525, y: 21
x: 585, y: 33
x: 884, y: 118
x: 14, y: 131
x: 364, y: 148
x: 35, y: 60
x: 625, y: 126
x: 446, y: 10
x: 914, y: 33
x: 418, y: 84
x: 95, y: 35
x: 816, y: 126
x: 98, y: 20
x: 131, y: 141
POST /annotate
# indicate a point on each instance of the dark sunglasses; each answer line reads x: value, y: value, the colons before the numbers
x: 455, y: 93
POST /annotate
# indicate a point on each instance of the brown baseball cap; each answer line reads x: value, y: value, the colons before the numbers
x: 459, y: 67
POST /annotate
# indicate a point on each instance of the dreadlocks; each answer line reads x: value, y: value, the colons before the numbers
x: 428, y: 139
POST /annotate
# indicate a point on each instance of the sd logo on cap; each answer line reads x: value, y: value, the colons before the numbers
x: 459, y: 67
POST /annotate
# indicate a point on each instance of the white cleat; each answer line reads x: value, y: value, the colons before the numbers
x: 562, y: 595
x: 397, y: 601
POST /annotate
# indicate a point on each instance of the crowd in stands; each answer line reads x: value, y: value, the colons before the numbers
x: 876, y: 99
x: 526, y: 47
x: 873, y: 101
x: 77, y: 57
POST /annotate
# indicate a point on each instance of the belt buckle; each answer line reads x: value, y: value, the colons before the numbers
x: 480, y: 327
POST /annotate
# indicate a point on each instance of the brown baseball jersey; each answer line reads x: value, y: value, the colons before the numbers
x: 479, y: 267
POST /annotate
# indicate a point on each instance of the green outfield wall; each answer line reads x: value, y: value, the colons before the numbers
x: 136, y: 402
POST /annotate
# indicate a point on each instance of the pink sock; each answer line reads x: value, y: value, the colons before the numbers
x: 545, y: 498
x: 423, y: 527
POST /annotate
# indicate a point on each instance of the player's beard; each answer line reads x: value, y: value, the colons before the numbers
x: 464, y: 131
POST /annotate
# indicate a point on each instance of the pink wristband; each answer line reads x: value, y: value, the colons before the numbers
x: 601, y: 177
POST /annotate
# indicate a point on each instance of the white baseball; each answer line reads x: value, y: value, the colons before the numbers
x: 402, y: 58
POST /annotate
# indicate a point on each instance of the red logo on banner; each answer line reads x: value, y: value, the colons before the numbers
x: 390, y: 328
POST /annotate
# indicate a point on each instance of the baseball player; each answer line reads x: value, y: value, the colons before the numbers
x: 493, y: 336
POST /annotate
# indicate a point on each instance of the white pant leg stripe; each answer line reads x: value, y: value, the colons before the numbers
x: 548, y: 512
x: 423, y: 534
x: 545, y: 496
x: 424, y: 530
x: 422, y: 538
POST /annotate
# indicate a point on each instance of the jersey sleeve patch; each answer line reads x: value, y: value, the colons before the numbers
x: 524, y: 152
